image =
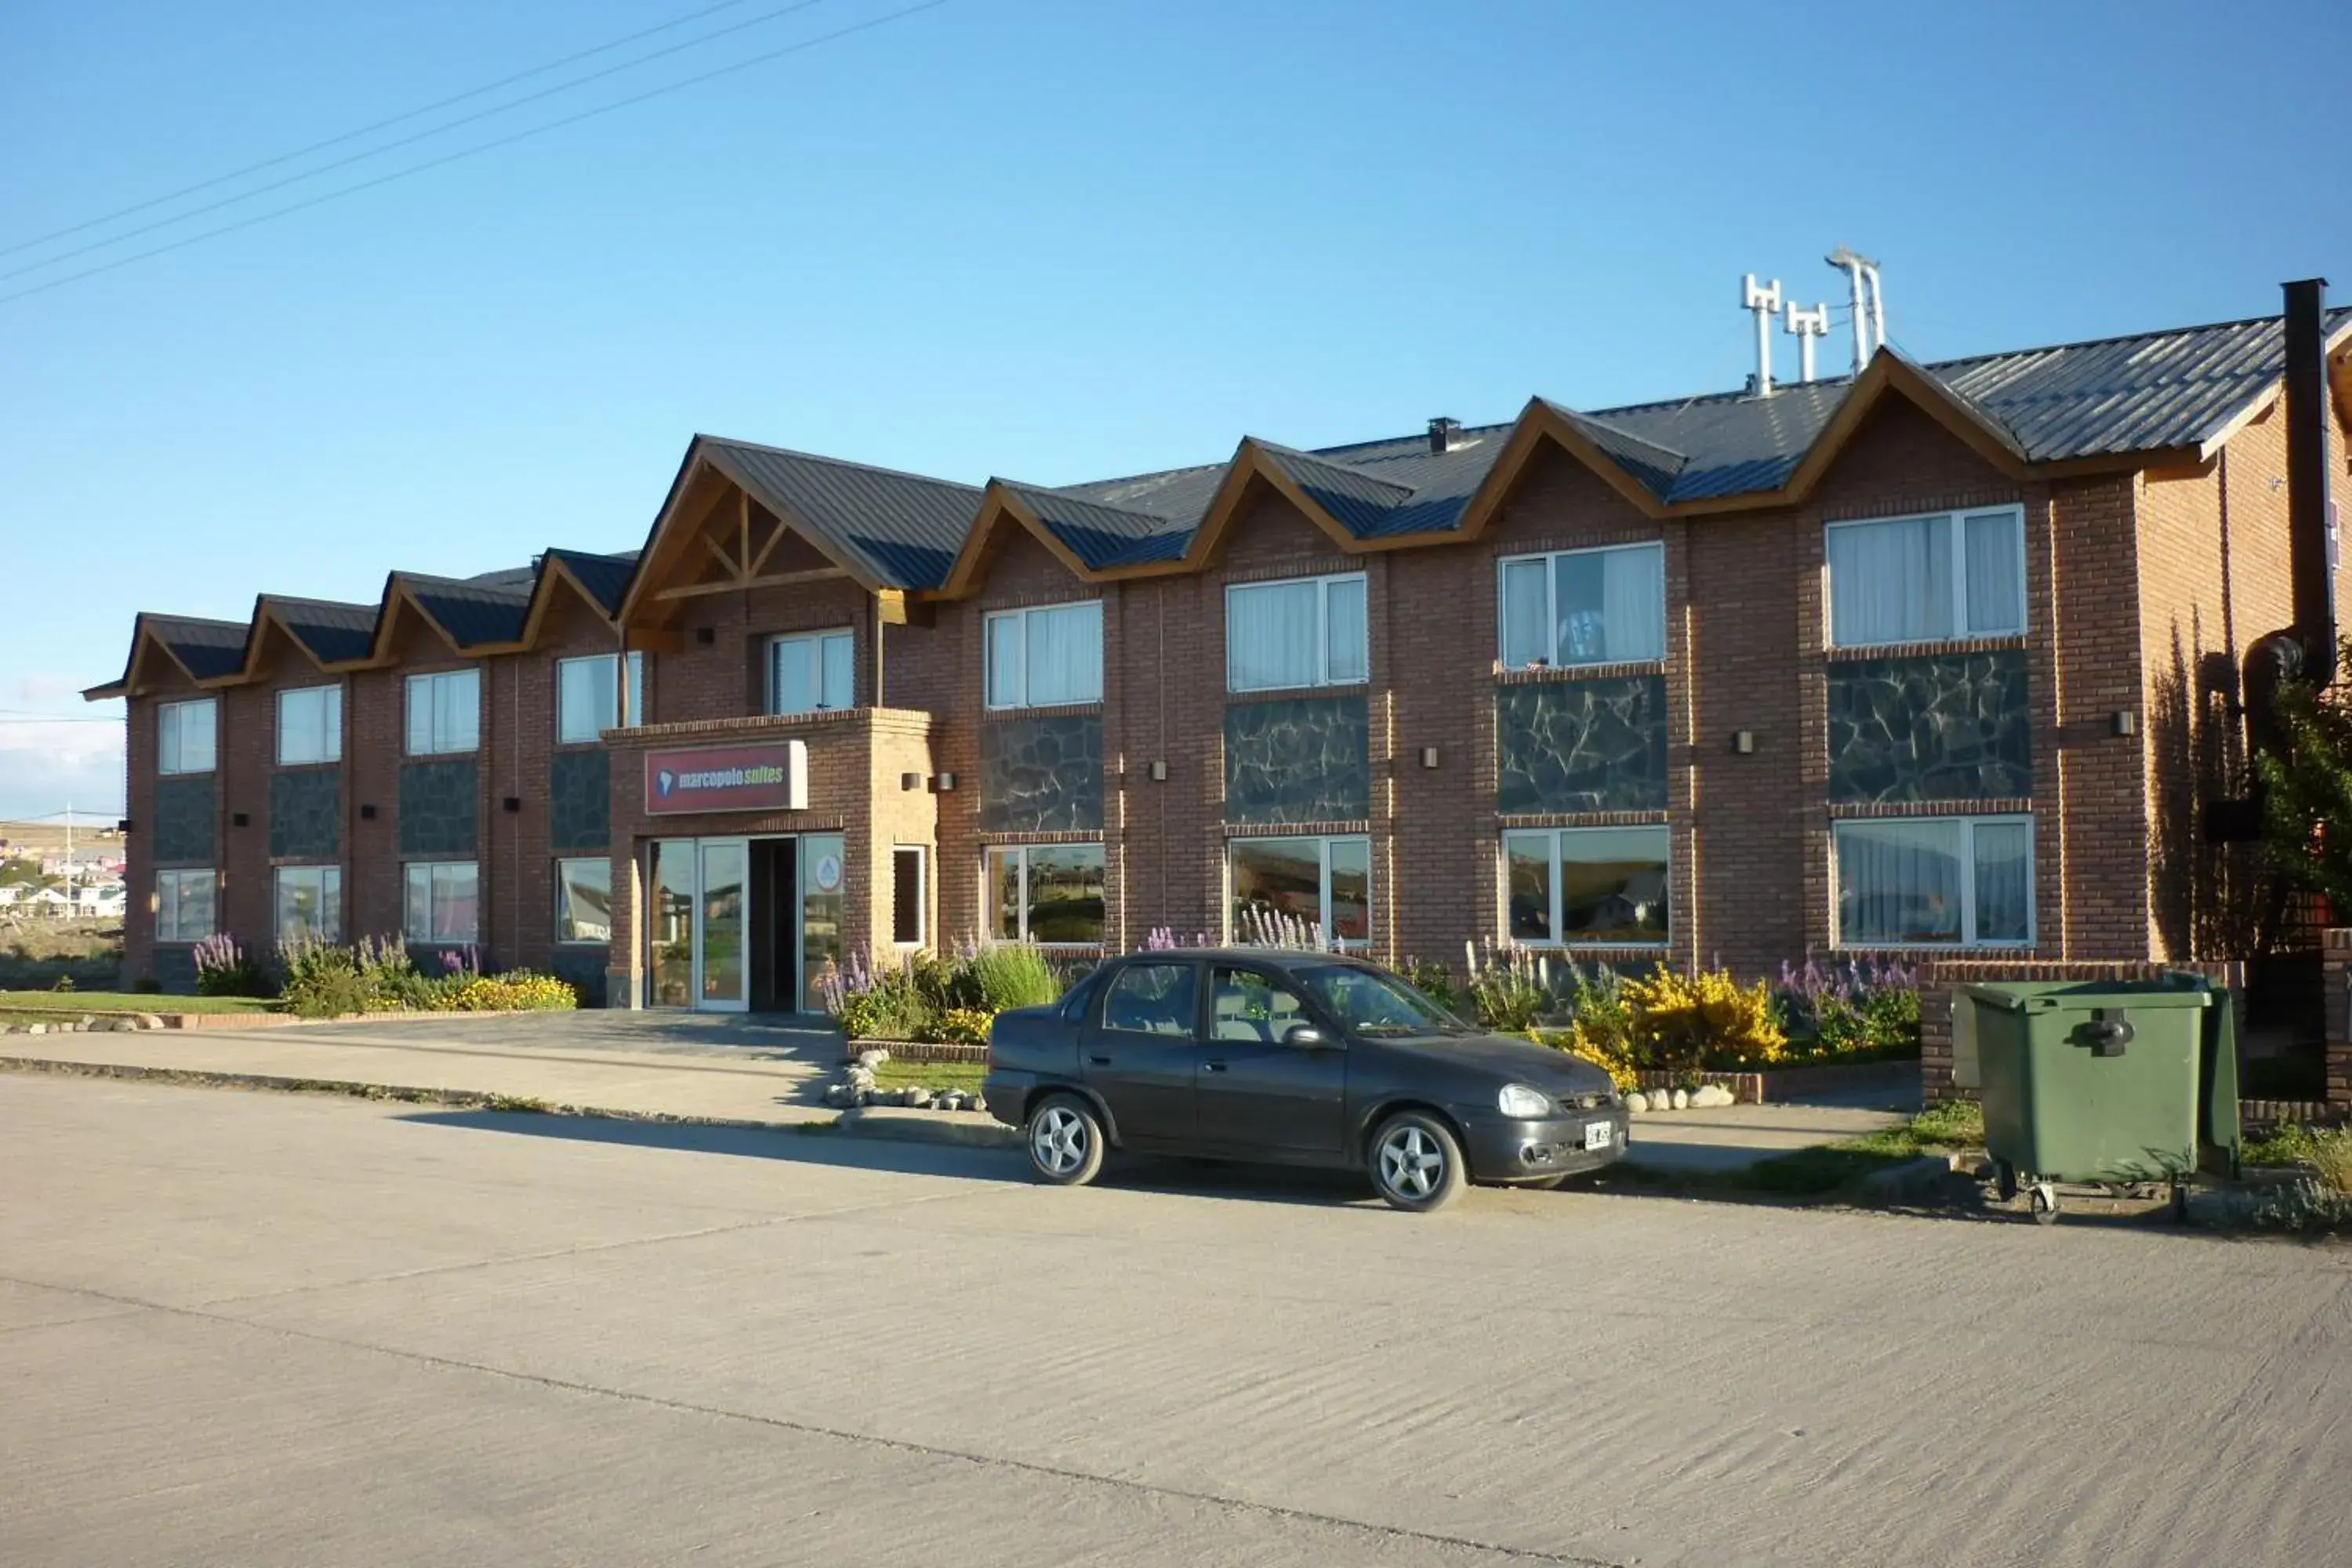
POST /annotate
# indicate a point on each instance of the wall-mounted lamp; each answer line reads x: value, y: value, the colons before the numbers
x: 943, y: 783
x: 2127, y: 722
x: 1429, y: 756
x: 1743, y: 743
x: 237, y: 819
x: 367, y: 814
x: 910, y: 781
x: 123, y: 825
x: 1159, y: 773
x: 512, y: 803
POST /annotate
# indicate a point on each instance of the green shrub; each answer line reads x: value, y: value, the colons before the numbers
x: 1510, y: 989
x: 1433, y: 980
x: 1012, y: 974
x: 2325, y: 1151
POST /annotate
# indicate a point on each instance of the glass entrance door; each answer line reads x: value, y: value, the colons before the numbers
x: 721, y: 922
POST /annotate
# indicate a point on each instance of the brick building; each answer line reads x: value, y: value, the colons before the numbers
x: 1933, y: 657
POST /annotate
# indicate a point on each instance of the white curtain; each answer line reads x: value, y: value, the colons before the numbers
x: 2004, y: 867
x: 1898, y: 881
x: 1270, y: 636
x: 837, y: 679
x: 1064, y: 655
x: 1005, y: 662
x: 1526, y: 615
x: 1633, y: 603
x: 1890, y: 582
x: 588, y: 698
x: 1345, y: 657
x: 1996, y: 567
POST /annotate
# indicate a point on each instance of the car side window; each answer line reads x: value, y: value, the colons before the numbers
x: 1246, y: 1005
x: 1153, y: 999
x: 1081, y: 997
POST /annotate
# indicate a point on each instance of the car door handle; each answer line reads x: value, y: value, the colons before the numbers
x: 1099, y: 1061
x: 1213, y: 1067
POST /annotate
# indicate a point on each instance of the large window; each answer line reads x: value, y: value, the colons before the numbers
x: 1935, y: 881
x: 812, y: 672
x: 588, y: 695
x: 584, y: 900
x: 1310, y: 632
x: 1584, y: 607
x: 184, y: 905
x: 442, y: 903
x: 1045, y: 657
x: 907, y: 885
x: 1050, y: 893
x: 309, y: 903
x: 185, y: 736
x: 445, y: 712
x: 1925, y: 579
x: 310, y: 724
x: 1325, y: 883
x: 1586, y: 886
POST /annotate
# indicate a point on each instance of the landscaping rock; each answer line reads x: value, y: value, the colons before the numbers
x: 1682, y: 1100
x: 840, y: 1094
x: 918, y: 1096
x: 1710, y: 1097
x: 976, y: 1103
x: 949, y: 1099
x: 1637, y: 1103
x: 873, y: 1058
x: 148, y: 1021
x: 859, y: 1078
x: 36, y: 1028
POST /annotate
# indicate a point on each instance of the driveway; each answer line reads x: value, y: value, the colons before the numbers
x: 254, y: 1330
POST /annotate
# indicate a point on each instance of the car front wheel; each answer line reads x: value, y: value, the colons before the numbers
x: 1066, y: 1140
x: 1417, y: 1163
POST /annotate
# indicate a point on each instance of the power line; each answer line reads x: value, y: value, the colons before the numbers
x: 398, y: 143
x: 402, y: 117
x: 464, y: 152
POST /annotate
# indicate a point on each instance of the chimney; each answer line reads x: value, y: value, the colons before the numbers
x: 1445, y: 435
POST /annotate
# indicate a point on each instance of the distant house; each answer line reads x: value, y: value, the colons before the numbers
x: 43, y: 901
x: 98, y: 899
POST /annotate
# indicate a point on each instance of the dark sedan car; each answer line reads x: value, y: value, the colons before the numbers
x: 1309, y: 1058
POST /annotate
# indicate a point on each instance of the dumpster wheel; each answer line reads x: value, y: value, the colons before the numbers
x: 2004, y: 1180
x: 2044, y: 1201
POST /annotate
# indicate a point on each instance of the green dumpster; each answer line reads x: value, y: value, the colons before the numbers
x: 2121, y: 1085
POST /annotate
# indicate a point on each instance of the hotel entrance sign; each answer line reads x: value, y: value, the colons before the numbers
x: 765, y: 775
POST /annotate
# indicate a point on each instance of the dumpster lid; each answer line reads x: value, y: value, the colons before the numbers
x: 2049, y: 996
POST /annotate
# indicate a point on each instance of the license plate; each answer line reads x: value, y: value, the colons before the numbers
x: 1597, y: 1134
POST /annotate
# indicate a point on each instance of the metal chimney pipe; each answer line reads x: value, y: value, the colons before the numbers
x: 2311, y: 552
x: 1844, y: 259
x: 1763, y: 304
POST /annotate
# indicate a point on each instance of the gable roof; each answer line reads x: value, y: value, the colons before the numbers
x: 890, y: 529
x: 203, y: 650
x: 330, y: 632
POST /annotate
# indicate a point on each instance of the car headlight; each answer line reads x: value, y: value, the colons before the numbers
x: 1524, y: 1104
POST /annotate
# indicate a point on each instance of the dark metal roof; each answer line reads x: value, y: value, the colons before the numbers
x: 474, y: 613
x: 329, y: 631
x: 1097, y: 534
x: 902, y: 531
x: 206, y: 648
x: 606, y: 577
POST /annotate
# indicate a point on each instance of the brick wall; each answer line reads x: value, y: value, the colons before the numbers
x: 2335, y: 959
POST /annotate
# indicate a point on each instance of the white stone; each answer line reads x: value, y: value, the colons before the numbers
x: 36, y: 1028
x: 1682, y: 1100
x: 1638, y: 1104
x: 149, y: 1021
x: 918, y: 1096
x: 1711, y: 1097
x: 840, y: 1094
x: 870, y: 1060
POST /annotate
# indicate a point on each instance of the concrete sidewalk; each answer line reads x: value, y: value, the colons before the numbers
x: 1731, y: 1136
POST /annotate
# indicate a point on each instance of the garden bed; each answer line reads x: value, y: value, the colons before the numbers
x: 918, y: 1050
x: 1767, y: 1085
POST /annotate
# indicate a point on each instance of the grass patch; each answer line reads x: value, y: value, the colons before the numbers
x: 2325, y: 1151
x: 933, y: 1075
x: 79, y: 1002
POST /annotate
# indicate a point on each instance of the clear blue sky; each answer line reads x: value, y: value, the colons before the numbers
x: 1052, y: 239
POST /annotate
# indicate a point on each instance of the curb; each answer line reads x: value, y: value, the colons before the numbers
x: 1916, y: 1178
x: 913, y: 1127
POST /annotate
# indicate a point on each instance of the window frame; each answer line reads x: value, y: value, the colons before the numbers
x: 1969, y: 822
x: 563, y: 880
x: 819, y: 636
x: 331, y: 729
x: 922, y: 896
x: 1323, y: 583
x: 1191, y: 1034
x: 1957, y: 571
x: 1550, y: 558
x: 1022, y: 852
x: 1559, y: 940
x: 1020, y: 614
x: 633, y: 671
x: 409, y: 870
x: 432, y: 680
x: 167, y: 744
x: 1324, y: 843
x: 330, y: 877
x: 178, y: 875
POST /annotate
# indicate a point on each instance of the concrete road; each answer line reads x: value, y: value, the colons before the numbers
x: 255, y: 1328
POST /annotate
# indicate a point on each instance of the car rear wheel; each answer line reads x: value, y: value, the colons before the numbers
x: 1066, y: 1140
x: 1417, y: 1163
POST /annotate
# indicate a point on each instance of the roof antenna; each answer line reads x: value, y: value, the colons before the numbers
x: 1806, y: 325
x: 1869, y: 308
x: 1764, y: 304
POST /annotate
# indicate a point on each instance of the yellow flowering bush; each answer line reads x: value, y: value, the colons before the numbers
x: 518, y: 991
x: 1680, y: 1021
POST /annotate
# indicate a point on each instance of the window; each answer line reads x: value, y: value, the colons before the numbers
x: 814, y: 673
x: 588, y: 695
x: 907, y: 886
x: 184, y: 905
x: 1045, y: 657
x: 1592, y: 886
x: 1584, y: 607
x: 310, y: 725
x: 1246, y: 1005
x: 1923, y: 579
x: 1305, y: 633
x: 184, y: 730
x: 311, y: 904
x: 1154, y: 999
x: 1049, y: 893
x: 445, y: 712
x: 1326, y: 883
x: 441, y: 905
x: 1935, y: 882
x: 584, y: 900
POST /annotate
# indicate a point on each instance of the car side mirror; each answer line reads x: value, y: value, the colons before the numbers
x: 1306, y: 1037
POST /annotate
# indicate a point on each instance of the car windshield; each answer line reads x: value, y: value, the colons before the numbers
x: 1370, y: 1003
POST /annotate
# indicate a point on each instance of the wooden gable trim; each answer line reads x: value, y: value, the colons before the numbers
x: 1251, y: 466
x: 653, y: 596
x: 1538, y: 424
x: 396, y: 595
x: 551, y: 571
x: 1889, y: 374
x: 999, y: 504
